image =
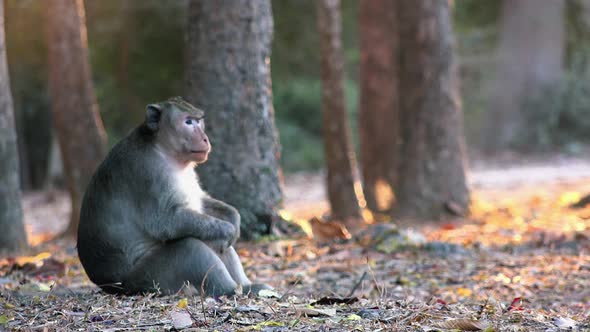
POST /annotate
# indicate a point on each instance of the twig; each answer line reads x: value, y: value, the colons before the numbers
x: 289, y: 290
x: 379, y: 289
x: 358, y: 283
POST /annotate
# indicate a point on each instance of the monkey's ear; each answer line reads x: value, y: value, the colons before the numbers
x: 153, y: 113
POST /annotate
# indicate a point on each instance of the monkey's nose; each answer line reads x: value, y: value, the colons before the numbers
x: 205, y: 139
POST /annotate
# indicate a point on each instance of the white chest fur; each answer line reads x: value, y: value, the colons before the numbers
x: 190, y: 187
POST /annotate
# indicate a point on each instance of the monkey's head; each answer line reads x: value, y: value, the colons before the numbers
x: 179, y: 130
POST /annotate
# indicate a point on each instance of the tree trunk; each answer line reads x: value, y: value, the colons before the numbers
x: 76, y: 119
x: 13, y: 236
x: 229, y: 78
x: 342, y: 184
x: 531, y: 51
x: 379, y: 99
x: 432, y: 171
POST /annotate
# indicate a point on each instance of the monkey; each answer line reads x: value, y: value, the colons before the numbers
x: 146, y: 225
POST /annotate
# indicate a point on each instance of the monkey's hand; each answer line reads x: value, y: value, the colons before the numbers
x: 223, y: 211
x: 226, y: 233
x: 182, y: 222
x: 219, y: 246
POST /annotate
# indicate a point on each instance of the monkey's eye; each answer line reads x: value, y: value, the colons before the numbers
x: 191, y: 122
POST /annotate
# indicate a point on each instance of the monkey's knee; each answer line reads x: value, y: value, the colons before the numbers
x: 188, y: 260
x: 234, y: 216
x: 208, y: 270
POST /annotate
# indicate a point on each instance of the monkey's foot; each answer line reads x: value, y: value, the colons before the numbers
x: 254, y: 289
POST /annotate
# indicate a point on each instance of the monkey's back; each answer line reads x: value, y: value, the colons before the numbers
x: 109, y: 239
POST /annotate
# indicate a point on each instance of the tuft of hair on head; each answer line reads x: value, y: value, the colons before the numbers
x: 184, y: 105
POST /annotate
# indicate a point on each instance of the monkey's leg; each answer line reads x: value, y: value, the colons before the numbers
x: 232, y: 262
x: 233, y: 265
x: 189, y: 259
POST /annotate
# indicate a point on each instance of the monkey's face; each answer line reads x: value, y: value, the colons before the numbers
x: 180, y: 130
x: 194, y: 142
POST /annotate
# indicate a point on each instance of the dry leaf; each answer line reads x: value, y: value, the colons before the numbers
x: 182, y: 303
x: 328, y: 230
x: 463, y: 325
x: 565, y: 323
x: 268, y: 293
x: 335, y: 300
x: 181, y: 319
x: 312, y: 312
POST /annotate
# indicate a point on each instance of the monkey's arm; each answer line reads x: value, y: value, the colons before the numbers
x: 179, y: 222
x: 223, y: 211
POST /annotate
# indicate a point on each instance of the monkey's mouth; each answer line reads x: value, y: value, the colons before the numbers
x: 199, y: 151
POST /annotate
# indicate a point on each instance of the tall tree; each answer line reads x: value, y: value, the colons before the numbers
x: 13, y: 236
x: 432, y: 171
x: 340, y: 160
x: 229, y: 78
x: 531, y: 51
x: 379, y: 100
x: 76, y: 119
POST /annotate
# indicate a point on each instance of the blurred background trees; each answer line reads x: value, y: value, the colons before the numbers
x: 76, y: 119
x: 341, y: 168
x: 378, y: 114
x: 529, y: 64
x: 524, y: 85
x: 13, y: 235
x: 431, y: 169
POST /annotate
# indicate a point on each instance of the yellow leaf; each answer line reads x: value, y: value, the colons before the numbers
x: 353, y: 317
x: 43, y: 287
x: 182, y: 303
x: 465, y: 292
x: 568, y: 198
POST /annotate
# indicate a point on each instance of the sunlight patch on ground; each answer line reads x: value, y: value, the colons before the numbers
x: 532, y: 216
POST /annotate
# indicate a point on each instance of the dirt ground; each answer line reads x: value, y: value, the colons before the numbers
x: 519, y: 263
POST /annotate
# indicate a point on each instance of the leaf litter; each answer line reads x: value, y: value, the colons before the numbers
x: 519, y: 263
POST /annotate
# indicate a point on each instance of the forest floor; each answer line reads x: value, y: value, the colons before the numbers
x: 519, y: 262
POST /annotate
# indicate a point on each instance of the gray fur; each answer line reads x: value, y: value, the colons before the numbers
x: 137, y: 233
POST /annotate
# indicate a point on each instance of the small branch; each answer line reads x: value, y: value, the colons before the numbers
x: 358, y: 283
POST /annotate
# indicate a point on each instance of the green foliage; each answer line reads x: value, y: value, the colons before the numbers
x: 468, y: 14
x: 299, y: 121
x: 137, y: 56
x: 561, y: 115
x: 298, y: 118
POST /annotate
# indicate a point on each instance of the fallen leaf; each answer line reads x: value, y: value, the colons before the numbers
x: 565, y: 323
x: 43, y: 287
x: 181, y: 319
x: 464, y: 292
x: 328, y: 230
x: 326, y: 300
x: 248, y: 308
x: 463, y: 325
x: 268, y: 293
x: 353, y: 317
x: 516, y: 304
x: 313, y: 312
x: 182, y: 303
x: 74, y: 313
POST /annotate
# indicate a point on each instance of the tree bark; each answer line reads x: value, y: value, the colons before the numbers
x: 229, y: 78
x: 76, y: 119
x: 12, y: 236
x: 341, y: 169
x: 379, y: 98
x: 432, y: 171
x: 530, y: 60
